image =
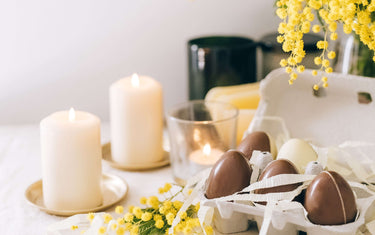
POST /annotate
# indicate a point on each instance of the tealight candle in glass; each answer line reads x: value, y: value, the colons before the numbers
x: 199, y: 133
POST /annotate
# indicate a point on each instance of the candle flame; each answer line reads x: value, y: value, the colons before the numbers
x: 207, y: 149
x: 72, y: 115
x: 135, y: 80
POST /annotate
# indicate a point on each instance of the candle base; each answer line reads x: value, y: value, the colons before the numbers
x: 107, y: 156
x: 114, y: 189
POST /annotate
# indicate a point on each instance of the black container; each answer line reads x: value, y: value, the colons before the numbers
x: 220, y: 61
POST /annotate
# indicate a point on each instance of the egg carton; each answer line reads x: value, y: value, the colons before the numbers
x: 342, y: 113
x: 328, y: 117
x: 234, y: 213
x: 234, y: 217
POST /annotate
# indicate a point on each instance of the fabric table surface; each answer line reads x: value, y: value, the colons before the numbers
x: 20, y: 166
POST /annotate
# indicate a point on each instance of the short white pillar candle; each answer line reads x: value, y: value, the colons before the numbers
x: 71, y: 160
x: 136, y: 116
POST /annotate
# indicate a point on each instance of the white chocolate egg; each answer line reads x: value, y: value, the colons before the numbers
x: 299, y: 152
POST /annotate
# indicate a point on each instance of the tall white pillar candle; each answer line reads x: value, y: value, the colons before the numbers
x: 136, y: 115
x: 71, y: 160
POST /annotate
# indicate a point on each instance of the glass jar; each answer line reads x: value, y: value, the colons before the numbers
x: 354, y: 57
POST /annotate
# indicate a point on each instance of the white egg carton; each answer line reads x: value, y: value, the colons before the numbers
x: 230, y: 217
x: 342, y: 112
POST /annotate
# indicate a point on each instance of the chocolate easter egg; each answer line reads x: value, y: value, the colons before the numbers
x: 299, y: 152
x: 329, y: 200
x: 230, y: 174
x: 277, y: 167
x: 257, y: 140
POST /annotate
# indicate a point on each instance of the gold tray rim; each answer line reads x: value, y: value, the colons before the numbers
x: 37, y: 187
x: 107, y: 157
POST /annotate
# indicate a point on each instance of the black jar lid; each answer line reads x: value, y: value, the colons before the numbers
x: 222, y: 42
x: 269, y: 42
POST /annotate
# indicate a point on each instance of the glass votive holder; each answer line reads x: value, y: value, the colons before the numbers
x: 199, y: 133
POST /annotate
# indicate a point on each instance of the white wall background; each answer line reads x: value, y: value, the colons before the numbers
x: 55, y: 54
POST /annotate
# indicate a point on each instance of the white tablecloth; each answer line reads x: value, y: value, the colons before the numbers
x: 20, y: 166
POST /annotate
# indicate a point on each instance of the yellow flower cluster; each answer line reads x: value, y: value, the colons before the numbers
x: 296, y: 19
x: 90, y: 216
x: 155, y: 218
x: 165, y: 189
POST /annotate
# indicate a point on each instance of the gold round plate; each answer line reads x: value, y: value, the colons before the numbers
x: 114, y: 189
x: 107, y: 156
